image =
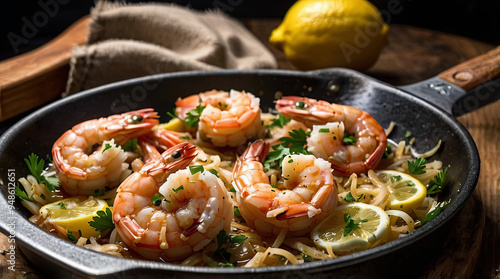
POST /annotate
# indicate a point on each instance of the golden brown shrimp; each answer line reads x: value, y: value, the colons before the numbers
x: 330, y: 122
x: 194, y: 206
x: 82, y: 170
x: 228, y: 119
x: 306, y: 197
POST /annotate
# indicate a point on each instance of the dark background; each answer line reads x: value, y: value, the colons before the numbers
x: 478, y: 19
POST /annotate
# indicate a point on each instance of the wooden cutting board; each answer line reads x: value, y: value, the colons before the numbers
x: 38, y: 77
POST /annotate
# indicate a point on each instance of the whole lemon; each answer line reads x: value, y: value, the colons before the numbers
x: 331, y: 33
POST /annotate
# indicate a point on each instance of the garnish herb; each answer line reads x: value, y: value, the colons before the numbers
x: 349, y: 139
x: 280, y: 121
x: 108, y: 146
x: 21, y: 194
x: 237, y: 212
x: 99, y: 192
x: 351, y: 225
x: 103, y: 221
x: 172, y: 114
x: 71, y: 237
x: 184, y: 138
x: 225, y: 241
x: 407, y: 134
x: 294, y: 144
x: 156, y: 199
x: 416, y: 166
x: 196, y: 168
x: 349, y: 198
x: 395, y: 178
x: 324, y: 130
x: 214, y: 172
x: 436, y: 185
x: 439, y: 208
x: 36, y: 168
x: 178, y: 189
x: 232, y: 190
x: 388, y: 151
x: 61, y: 205
x: 131, y: 145
x: 193, y: 116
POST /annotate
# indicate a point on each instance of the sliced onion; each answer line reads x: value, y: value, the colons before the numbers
x: 426, y: 154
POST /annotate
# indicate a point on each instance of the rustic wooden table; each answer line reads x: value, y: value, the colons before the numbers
x: 472, y: 249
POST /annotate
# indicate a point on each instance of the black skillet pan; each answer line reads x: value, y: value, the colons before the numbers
x: 406, y: 106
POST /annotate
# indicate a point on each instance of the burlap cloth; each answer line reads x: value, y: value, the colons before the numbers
x: 127, y: 41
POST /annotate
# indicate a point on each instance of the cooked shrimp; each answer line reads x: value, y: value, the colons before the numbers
x: 327, y: 140
x: 228, y: 119
x: 308, y: 194
x: 82, y: 170
x: 194, y: 207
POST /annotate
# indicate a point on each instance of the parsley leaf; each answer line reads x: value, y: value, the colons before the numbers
x: 36, y: 168
x: 416, y: 166
x: 214, y: 172
x: 436, y: 185
x: 351, y: 225
x: 280, y: 121
x: 193, y: 116
x: 156, y: 199
x: 196, y: 168
x: 237, y: 212
x: 349, y: 139
x: 294, y: 144
x: 439, y: 208
x: 349, y: 198
x: 131, y: 145
x: 103, y: 221
x: 21, y: 194
x: 223, y: 241
x: 61, y: 205
x: 178, y: 189
x: 71, y: 237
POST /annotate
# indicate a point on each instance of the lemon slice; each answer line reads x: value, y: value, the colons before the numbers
x: 406, y: 192
x: 366, y: 226
x: 174, y: 125
x: 74, y: 214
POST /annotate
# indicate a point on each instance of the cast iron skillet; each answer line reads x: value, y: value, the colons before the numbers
x: 427, y: 122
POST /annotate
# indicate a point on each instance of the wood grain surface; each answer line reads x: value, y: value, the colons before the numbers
x: 472, y: 249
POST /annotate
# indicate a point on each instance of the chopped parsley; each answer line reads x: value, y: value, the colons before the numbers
x: 71, y: 237
x: 36, y: 168
x: 21, y: 194
x: 351, y: 225
x: 61, y: 205
x: 237, y: 212
x: 156, y: 199
x: 108, y: 146
x: 184, y: 138
x: 349, y: 197
x: 131, y: 145
x: 324, y: 130
x: 436, y: 185
x: 439, y: 208
x: 416, y: 166
x: 103, y: 221
x: 225, y: 241
x: 99, y: 192
x: 214, y: 172
x: 388, y: 151
x: 349, y: 139
x: 193, y: 116
x: 407, y: 134
x: 395, y: 178
x: 178, y: 189
x: 196, y: 168
x: 294, y: 144
x: 280, y: 121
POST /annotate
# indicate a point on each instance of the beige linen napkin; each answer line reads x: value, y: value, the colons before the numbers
x: 127, y: 41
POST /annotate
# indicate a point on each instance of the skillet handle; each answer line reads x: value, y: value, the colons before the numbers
x: 474, y: 72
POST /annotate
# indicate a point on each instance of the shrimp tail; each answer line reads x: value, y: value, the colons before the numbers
x: 256, y: 152
x: 293, y: 211
x: 165, y: 139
